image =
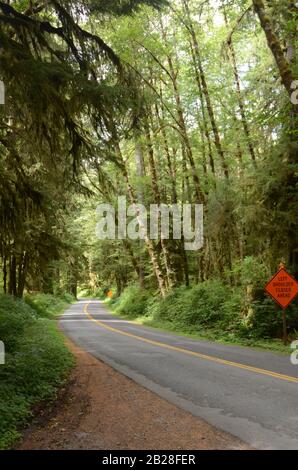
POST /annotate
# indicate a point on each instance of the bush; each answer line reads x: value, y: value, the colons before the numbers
x: 100, y: 293
x: 15, y: 316
x: 250, y: 271
x: 66, y: 297
x: 266, y: 321
x: 261, y: 316
x: 36, y: 361
x: 198, y: 306
x: 132, y: 303
x: 47, y: 305
x: 213, y: 309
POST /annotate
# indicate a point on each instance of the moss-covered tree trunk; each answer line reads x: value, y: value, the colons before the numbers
x: 275, y: 46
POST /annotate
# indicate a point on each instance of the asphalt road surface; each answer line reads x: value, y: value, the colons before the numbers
x: 250, y: 394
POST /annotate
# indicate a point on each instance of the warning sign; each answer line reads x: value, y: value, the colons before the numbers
x: 283, y: 288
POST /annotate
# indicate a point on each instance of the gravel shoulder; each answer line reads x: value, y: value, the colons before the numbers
x: 102, y: 409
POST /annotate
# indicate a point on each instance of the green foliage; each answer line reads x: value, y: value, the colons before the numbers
x: 36, y: 362
x: 266, y: 320
x: 132, y: 302
x: 87, y: 292
x: 198, y: 307
x: 250, y: 272
x: 165, y: 106
x: 126, y: 7
x: 48, y: 305
x: 15, y: 317
x: 211, y: 309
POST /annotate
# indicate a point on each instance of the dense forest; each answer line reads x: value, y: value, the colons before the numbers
x: 184, y: 102
x: 187, y: 101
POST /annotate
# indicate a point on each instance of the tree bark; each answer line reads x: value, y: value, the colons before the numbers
x: 203, y: 111
x: 239, y: 95
x: 171, y: 276
x: 217, y: 139
x: 167, y: 153
x: 286, y: 74
x: 22, y: 274
x: 4, y: 274
x: 12, y: 286
x: 183, y: 130
x: 149, y: 245
x: 139, y: 159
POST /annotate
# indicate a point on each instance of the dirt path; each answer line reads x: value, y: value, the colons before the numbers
x: 102, y: 409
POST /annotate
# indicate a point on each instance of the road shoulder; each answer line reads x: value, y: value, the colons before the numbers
x: 103, y: 409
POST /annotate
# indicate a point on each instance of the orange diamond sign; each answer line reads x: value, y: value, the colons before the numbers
x: 283, y: 288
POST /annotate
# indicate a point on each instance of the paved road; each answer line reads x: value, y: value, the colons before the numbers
x: 250, y: 394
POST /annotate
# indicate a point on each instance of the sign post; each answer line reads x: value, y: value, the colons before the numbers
x: 283, y: 288
x: 284, y: 326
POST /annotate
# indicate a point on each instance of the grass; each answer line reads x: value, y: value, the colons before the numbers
x: 273, y: 345
x: 37, y: 362
x: 48, y: 305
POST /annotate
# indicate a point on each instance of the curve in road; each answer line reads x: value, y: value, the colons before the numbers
x: 250, y: 394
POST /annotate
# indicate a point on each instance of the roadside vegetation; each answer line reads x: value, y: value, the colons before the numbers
x: 242, y: 314
x: 162, y: 102
x: 37, y: 362
x: 218, y: 127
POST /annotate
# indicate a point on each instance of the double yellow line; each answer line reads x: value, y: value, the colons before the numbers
x: 218, y: 360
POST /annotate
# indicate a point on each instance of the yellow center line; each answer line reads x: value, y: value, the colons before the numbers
x: 192, y: 353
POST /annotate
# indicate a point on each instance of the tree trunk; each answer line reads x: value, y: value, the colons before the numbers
x: 168, y: 155
x: 139, y: 159
x: 183, y: 130
x: 217, y: 139
x: 22, y: 274
x: 275, y: 46
x: 4, y: 274
x: 149, y: 245
x: 203, y: 111
x: 12, y: 286
x: 171, y: 276
x: 135, y: 264
x: 239, y: 95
